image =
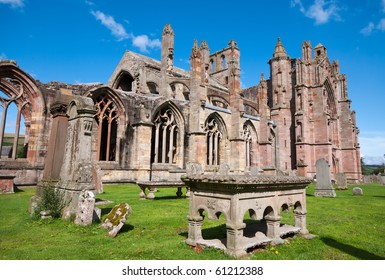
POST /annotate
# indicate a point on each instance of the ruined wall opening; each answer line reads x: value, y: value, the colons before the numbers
x: 125, y: 82
x: 153, y: 88
x: 13, y: 129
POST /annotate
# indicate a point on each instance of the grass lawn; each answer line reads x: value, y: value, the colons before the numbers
x: 347, y: 227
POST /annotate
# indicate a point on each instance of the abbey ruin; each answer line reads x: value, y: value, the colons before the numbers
x: 153, y: 118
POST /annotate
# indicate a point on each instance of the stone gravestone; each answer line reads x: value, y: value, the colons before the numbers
x: 116, y: 218
x: 357, y: 191
x: 324, y: 186
x: 86, y: 211
x: 341, y: 181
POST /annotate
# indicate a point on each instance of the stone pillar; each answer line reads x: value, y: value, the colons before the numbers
x: 143, y: 137
x: 194, y: 230
x: 300, y: 221
x: 234, y: 239
x: 77, y: 170
x: 273, y: 223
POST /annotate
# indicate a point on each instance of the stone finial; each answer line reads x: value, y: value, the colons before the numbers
x: 167, y: 30
x: 204, y: 45
x: 195, y: 50
x: 233, y: 44
x: 279, y: 49
x: 262, y: 79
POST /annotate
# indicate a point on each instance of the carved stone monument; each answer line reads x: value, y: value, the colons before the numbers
x: 324, y: 186
x: 77, y: 171
x: 234, y: 195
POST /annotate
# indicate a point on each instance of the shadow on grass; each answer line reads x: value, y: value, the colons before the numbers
x: 348, y: 249
x: 169, y: 197
x: 126, y: 228
x: 379, y: 196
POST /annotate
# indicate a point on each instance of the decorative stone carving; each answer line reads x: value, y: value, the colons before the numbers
x: 116, y: 218
x: 235, y: 195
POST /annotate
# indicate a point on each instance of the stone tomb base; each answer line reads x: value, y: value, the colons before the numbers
x: 262, y: 196
x: 6, y: 183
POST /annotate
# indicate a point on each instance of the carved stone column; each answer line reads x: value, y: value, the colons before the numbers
x: 234, y: 239
x: 273, y: 223
x: 300, y: 221
x: 194, y: 230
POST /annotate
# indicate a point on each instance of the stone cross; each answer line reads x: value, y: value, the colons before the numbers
x: 324, y: 186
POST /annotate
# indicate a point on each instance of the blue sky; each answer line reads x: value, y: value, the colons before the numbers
x: 78, y: 41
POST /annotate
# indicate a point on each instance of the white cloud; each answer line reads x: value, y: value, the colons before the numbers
x: 383, y: 5
x: 3, y: 56
x: 381, y: 25
x: 371, y: 27
x: 372, y: 144
x: 89, y: 3
x: 143, y: 43
x: 322, y: 12
x: 13, y: 3
x: 368, y: 29
x: 116, y: 29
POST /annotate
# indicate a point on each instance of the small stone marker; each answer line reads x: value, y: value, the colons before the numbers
x: 341, y: 181
x: 357, y: 191
x: 116, y: 218
x: 86, y: 207
x: 324, y: 186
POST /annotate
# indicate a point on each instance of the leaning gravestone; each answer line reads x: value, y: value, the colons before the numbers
x: 341, y: 181
x: 324, y: 186
x: 116, y: 218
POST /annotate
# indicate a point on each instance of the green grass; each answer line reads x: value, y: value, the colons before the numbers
x: 347, y: 227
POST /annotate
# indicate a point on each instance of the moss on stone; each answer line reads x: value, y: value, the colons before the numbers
x: 113, y: 217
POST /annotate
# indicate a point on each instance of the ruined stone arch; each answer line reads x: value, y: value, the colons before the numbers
x: 216, y: 139
x: 21, y: 90
x: 167, y: 145
x: 110, y: 121
x: 124, y: 81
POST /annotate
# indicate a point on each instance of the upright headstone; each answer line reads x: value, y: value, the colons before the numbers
x: 86, y: 206
x: 341, y: 181
x: 324, y: 186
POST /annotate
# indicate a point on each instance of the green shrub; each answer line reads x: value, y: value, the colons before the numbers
x: 52, y: 199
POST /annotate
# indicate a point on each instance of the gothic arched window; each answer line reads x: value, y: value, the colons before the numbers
x: 249, y: 143
x: 166, y: 137
x: 106, y: 117
x: 213, y: 141
x: 13, y: 129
